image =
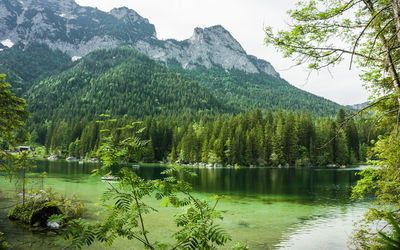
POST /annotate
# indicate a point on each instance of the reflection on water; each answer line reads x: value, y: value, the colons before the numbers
x: 329, y: 230
x: 270, y: 208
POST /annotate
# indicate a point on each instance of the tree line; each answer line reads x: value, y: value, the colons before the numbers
x: 250, y: 138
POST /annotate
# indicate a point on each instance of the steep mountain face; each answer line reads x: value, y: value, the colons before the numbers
x: 209, y: 47
x: 69, y: 27
x: 78, y: 30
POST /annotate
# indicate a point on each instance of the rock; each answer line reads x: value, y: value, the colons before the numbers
x: 217, y: 165
x: 53, y: 225
x: 207, y: 47
x: 56, y: 23
x: 93, y: 160
x: 71, y: 158
x: 52, y: 157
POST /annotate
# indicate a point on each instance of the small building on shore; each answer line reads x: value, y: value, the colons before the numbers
x: 24, y: 148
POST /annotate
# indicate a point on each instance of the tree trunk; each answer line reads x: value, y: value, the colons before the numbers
x: 388, y: 57
x: 396, y: 12
x: 396, y: 16
x: 23, y: 186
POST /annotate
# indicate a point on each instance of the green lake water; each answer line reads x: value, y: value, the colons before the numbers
x: 269, y: 208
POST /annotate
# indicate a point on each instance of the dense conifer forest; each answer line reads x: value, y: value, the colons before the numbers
x: 198, y: 116
x: 250, y: 138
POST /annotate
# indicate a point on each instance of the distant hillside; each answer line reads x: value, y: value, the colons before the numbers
x: 27, y: 65
x: 119, y: 82
x: 122, y: 81
x: 250, y: 91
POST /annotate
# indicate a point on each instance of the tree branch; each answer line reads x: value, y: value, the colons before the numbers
x: 362, y: 32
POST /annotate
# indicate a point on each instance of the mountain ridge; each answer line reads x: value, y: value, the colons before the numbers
x: 66, y: 33
x: 78, y: 30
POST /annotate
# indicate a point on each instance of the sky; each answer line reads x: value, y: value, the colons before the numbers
x: 245, y: 20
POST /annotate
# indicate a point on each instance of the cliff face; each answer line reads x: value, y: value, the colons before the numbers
x: 69, y: 27
x: 209, y: 47
x: 78, y: 30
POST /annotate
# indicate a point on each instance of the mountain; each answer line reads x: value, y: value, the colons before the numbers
x: 120, y: 82
x: 27, y: 65
x: 123, y: 81
x: 78, y: 30
x: 358, y: 106
x: 69, y: 60
x: 209, y: 47
x: 249, y: 91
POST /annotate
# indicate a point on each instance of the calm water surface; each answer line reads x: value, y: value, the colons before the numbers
x: 270, y: 208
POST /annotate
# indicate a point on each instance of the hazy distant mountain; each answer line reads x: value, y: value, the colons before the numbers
x: 358, y: 106
x: 78, y: 30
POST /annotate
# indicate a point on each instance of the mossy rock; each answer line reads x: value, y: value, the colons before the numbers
x: 34, y: 215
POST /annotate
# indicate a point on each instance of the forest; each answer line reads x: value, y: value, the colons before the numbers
x: 205, y: 116
x: 251, y: 138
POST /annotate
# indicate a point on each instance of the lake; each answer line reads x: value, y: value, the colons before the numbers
x: 270, y: 208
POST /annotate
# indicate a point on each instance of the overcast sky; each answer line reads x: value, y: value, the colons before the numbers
x: 245, y: 20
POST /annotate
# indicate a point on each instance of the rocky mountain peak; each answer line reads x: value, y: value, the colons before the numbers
x: 216, y: 35
x: 79, y: 30
x: 132, y: 18
x: 123, y: 12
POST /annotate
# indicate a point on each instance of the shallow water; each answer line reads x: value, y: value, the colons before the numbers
x: 269, y: 208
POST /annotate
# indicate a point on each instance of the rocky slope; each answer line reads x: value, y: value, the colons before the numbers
x: 78, y: 30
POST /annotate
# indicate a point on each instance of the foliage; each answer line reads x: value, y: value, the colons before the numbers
x: 246, y: 139
x: 20, y: 169
x: 392, y: 240
x: 115, y: 151
x: 197, y: 227
x: 369, y: 33
x: 26, y: 65
x: 118, y: 82
x: 124, y: 83
x: 13, y: 116
x: 3, y: 243
x: 259, y: 91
